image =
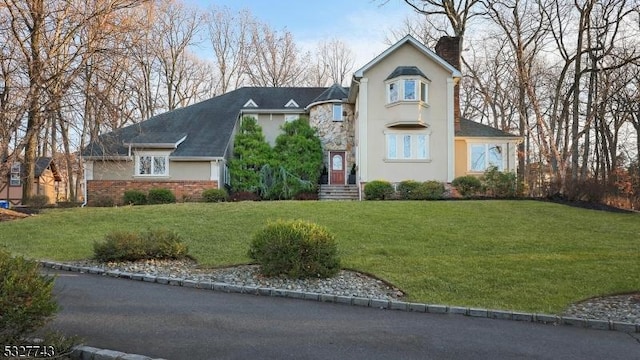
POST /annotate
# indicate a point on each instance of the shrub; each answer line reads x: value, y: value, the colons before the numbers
x: 406, y: 189
x: 245, y: 196
x: 498, y: 183
x: 468, y: 185
x: 26, y: 300
x: 378, y: 190
x: 161, y: 196
x: 37, y: 201
x: 134, y: 197
x: 103, y: 201
x: 214, y: 195
x: 295, y: 249
x: 306, y: 195
x: 429, y: 190
x: 131, y: 246
x: 164, y: 244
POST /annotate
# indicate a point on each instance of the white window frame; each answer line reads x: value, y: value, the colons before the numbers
x: 153, y: 158
x: 337, y: 116
x: 413, y: 146
x: 291, y: 117
x: 401, y: 95
x: 486, y: 159
x: 15, y: 179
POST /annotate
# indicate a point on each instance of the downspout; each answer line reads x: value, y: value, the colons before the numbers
x: 84, y: 184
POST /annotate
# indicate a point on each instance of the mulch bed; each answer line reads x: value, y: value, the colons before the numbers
x: 8, y: 215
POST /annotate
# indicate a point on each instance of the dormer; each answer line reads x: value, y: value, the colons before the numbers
x: 407, y: 84
x: 292, y: 104
x: 250, y: 104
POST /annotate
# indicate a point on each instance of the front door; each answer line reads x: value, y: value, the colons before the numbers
x: 336, y: 158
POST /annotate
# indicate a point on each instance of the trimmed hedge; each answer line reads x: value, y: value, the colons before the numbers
x: 295, y: 249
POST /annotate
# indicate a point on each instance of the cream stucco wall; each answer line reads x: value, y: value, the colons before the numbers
x: 178, y: 170
x: 379, y: 115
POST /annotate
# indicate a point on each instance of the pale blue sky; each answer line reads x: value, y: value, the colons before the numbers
x: 361, y: 24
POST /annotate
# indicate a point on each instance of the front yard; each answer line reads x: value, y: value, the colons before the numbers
x: 517, y: 255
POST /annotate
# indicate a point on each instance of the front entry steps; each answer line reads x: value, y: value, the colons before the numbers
x: 338, y: 192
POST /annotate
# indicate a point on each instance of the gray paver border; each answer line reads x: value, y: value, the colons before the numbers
x: 363, y: 302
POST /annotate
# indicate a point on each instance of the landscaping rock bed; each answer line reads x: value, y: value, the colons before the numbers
x: 346, y: 283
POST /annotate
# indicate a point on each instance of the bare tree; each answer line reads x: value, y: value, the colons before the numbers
x: 337, y: 58
x: 174, y: 31
x: 229, y: 35
x: 275, y: 58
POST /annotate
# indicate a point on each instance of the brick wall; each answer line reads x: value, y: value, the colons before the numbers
x: 114, y: 189
x: 448, y: 48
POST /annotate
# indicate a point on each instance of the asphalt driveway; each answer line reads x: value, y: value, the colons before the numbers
x: 185, y: 323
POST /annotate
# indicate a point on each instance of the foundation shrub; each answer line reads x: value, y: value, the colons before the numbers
x: 134, y: 197
x: 295, y: 249
x: 468, y: 185
x: 407, y: 188
x: 429, y: 190
x: 161, y: 196
x: 378, y: 190
x: 214, y: 195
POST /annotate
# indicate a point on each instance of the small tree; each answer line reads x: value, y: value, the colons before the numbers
x: 299, y: 150
x: 251, y: 152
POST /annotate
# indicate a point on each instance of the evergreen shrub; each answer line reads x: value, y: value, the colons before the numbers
x: 214, y: 195
x: 161, y: 196
x: 378, y: 190
x: 295, y: 249
x: 134, y: 197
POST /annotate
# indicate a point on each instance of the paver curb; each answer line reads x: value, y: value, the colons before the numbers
x: 364, y: 302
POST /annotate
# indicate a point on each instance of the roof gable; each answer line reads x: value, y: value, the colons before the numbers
x: 418, y: 45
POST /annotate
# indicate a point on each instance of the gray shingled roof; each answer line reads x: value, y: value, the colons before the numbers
x: 208, y: 125
x: 470, y: 128
x: 335, y: 92
x: 406, y: 71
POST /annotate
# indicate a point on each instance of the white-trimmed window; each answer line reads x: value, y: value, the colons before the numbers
x: 483, y: 156
x: 152, y: 165
x: 407, y: 146
x: 337, y: 112
x: 291, y: 117
x: 392, y: 92
x: 407, y: 90
x: 15, y: 174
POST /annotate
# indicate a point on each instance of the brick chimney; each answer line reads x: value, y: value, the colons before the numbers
x: 448, y: 48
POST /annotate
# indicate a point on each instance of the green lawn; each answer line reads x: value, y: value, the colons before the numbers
x: 517, y: 255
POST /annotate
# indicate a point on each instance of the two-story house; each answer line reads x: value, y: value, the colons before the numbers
x: 399, y: 120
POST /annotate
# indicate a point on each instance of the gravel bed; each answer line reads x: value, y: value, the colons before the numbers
x: 621, y: 308
x: 346, y: 283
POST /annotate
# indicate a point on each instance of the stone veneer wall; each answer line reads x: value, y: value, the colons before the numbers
x: 114, y: 189
x: 335, y: 135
